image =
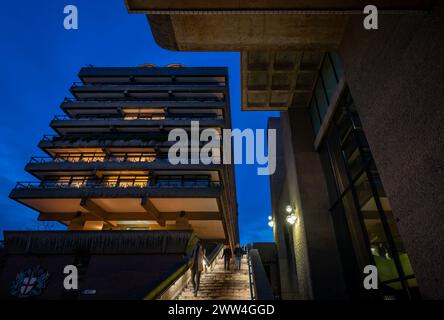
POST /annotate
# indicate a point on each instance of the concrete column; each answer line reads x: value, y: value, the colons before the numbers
x: 317, y: 257
x: 77, y: 223
x: 396, y: 78
x: 282, y: 237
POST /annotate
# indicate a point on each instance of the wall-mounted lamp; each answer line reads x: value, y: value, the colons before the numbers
x: 270, y: 222
x: 291, y: 217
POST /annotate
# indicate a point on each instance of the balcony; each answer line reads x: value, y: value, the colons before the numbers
x: 135, y: 116
x: 153, y: 75
x: 120, y: 193
x: 131, y: 123
x: 53, y: 144
x: 173, y: 109
x: 99, y: 157
x: 87, y: 163
x: 85, y: 91
x: 115, y: 183
x: 104, y: 137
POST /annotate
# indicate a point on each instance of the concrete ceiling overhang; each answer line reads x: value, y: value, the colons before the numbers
x: 278, y: 80
x: 233, y: 25
x: 282, y: 42
x: 275, y: 5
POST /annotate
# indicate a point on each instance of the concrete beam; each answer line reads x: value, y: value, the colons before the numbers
x: 240, y: 25
x: 77, y: 222
x: 126, y: 216
x: 152, y: 211
x: 97, y: 211
x: 252, y: 6
x: 247, y: 32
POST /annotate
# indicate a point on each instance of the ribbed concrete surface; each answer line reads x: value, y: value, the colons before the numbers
x: 219, y: 284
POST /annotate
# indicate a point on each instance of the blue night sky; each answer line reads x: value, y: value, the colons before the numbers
x: 40, y: 60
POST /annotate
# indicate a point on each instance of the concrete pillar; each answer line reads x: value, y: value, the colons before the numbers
x: 77, y: 223
x: 317, y: 257
x: 282, y: 236
x: 396, y: 78
x: 182, y: 221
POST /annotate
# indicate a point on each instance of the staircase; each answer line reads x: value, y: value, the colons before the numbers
x: 218, y: 284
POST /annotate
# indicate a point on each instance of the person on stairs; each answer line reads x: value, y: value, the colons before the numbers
x: 196, y: 266
x: 238, y: 252
x: 227, y: 256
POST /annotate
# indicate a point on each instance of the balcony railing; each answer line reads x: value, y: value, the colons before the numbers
x: 135, y: 84
x: 116, y: 184
x: 97, y: 158
x: 50, y: 137
x: 145, y: 100
x: 72, y: 138
x: 106, y: 158
x: 135, y: 117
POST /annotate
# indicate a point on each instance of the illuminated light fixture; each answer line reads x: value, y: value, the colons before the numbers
x: 175, y: 65
x: 291, y: 217
x: 270, y: 222
x: 147, y: 65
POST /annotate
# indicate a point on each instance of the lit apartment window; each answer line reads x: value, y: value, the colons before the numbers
x: 143, y: 116
x: 125, y: 181
x: 79, y: 157
x: 132, y: 157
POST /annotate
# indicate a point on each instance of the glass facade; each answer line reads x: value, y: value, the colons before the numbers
x: 330, y: 74
x: 364, y: 224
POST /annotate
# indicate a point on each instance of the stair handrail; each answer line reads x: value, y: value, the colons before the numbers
x: 163, y: 287
x: 250, y: 276
x: 179, y: 274
x: 262, y: 288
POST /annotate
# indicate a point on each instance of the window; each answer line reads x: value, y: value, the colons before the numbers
x: 360, y: 208
x: 326, y: 84
x: 328, y: 78
x: 336, y: 62
x: 321, y: 98
x: 314, y: 116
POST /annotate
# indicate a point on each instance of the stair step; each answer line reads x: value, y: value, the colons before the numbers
x: 221, y: 284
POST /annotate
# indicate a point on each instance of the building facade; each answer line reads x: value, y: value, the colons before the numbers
x: 108, y: 168
x: 133, y: 216
x: 361, y: 112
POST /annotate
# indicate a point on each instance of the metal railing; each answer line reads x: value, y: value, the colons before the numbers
x: 144, y: 100
x: 113, y: 184
x: 173, y: 287
x: 135, y: 84
x: 97, y: 158
x: 49, y: 137
x: 259, y: 280
x: 133, y: 117
x: 103, y: 136
x: 106, y: 158
x: 250, y: 276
